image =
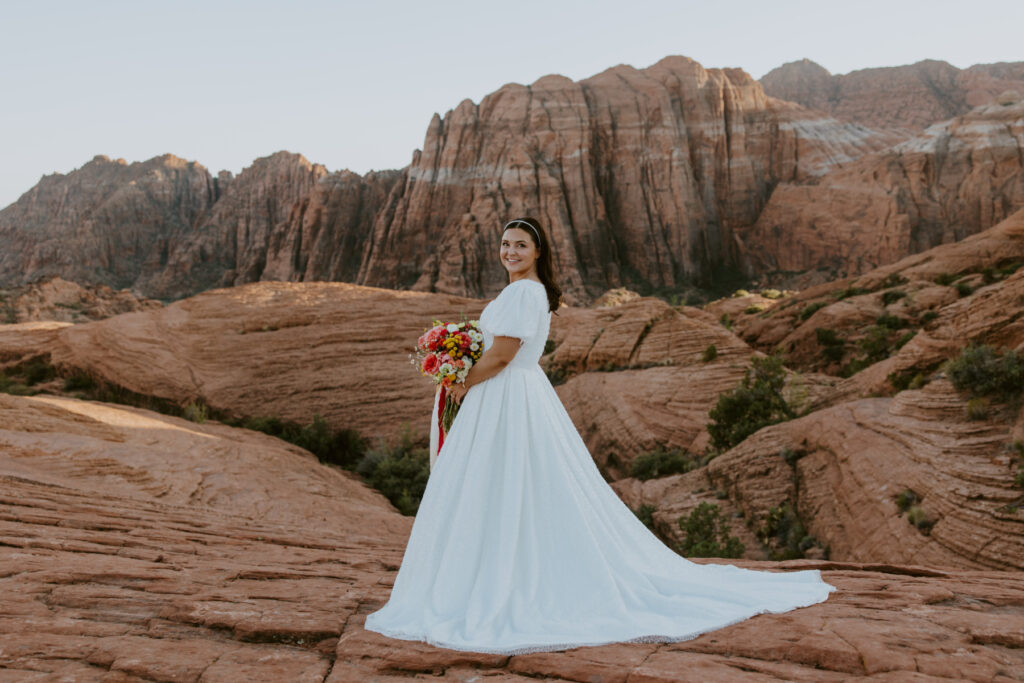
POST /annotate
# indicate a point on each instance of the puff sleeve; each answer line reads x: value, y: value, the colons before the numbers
x: 517, y: 311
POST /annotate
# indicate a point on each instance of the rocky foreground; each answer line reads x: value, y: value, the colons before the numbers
x: 139, y: 547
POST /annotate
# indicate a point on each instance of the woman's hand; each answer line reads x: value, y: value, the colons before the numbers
x: 458, y: 392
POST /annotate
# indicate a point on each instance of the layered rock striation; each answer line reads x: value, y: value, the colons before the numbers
x: 955, y: 179
x: 906, y: 98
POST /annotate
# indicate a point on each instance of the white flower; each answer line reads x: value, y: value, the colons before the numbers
x: 468, y: 361
x: 452, y: 327
x: 475, y: 336
x: 447, y: 368
x: 474, y: 346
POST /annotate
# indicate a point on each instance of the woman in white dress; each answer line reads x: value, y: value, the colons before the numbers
x: 519, y: 544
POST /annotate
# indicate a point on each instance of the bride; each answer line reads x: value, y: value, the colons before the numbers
x: 519, y: 544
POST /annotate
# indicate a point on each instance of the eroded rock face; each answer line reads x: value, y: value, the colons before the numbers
x: 904, y: 98
x: 59, y: 300
x: 260, y: 565
x: 641, y: 177
x: 109, y: 222
x: 955, y: 179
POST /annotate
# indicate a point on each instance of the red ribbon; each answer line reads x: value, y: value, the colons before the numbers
x: 440, y: 412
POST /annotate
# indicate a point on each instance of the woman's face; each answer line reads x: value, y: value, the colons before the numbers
x: 518, y: 252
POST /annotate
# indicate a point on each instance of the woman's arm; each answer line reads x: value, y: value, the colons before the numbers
x: 497, y: 356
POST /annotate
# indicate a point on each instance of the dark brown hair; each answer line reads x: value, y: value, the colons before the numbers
x: 545, y: 266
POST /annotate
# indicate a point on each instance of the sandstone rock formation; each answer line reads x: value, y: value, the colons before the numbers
x: 955, y: 179
x: 177, y: 558
x: 167, y: 228
x: 902, y: 98
x: 641, y: 176
x: 108, y: 222
x: 264, y: 350
x: 60, y: 300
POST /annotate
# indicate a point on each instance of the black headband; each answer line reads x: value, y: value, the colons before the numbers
x: 524, y: 223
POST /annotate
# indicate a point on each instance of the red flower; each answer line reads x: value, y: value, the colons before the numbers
x: 430, y: 364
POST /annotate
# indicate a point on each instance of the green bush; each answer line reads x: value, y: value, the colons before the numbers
x: 707, y: 534
x: 964, y: 289
x: 38, y: 371
x: 945, y: 279
x: 850, y: 291
x: 784, y: 534
x: 751, y: 310
x: 929, y: 316
x: 875, y: 344
x: 920, y: 518
x: 726, y: 321
x: 710, y: 353
x: 740, y: 292
x: 982, y: 370
x: 827, y: 337
x: 194, y: 411
x: 79, y: 381
x: 645, y: 513
x: 977, y: 408
x: 892, y: 296
x: 342, y: 447
x: 905, y: 499
x: 893, y: 280
x: 771, y: 294
x: 891, y: 321
x: 661, y: 463
x: 399, y: 471
x: 811, y: 309
x: 754, y: 403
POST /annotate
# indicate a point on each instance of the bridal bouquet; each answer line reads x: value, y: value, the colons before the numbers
x: 445, y: 353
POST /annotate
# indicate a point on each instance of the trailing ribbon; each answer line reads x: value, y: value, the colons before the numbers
x: 440, y: 412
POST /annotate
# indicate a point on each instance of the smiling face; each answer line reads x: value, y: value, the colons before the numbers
x: 518, y: 253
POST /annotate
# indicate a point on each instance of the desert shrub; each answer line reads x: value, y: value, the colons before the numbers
x: 920, y: 518
x: 645, y: 513
x: 342, y: 447
x: 892, y: 296
x: 875, y: 344
x: 905, y: 499
x: 945, y: 279
x: 549, y: 346
x: 751, y: 310
x: 79, y: 381
x: 707, y: 534
x: 740, y: 292
x: 977, y: 408
x: 811, y: 309
x: 910, y: 378
x: 194, y: 411
x: 38, y: 371
x: 893, y: 280
x: 929, y: 316
x: 902, y: 340
x: 399, y: 471
x: 792, y: 455
x: 771, y: 294
x: 891, y: 321
x: 964, y: 289
x: 784, y: 534
x: 754, y: 403
x: 661, y: 463
x: 726, y: 321
x: 850, y: 291
x: 827, y: 337
x: 9, y: 385
x: 710, y: 353
x: 982, y: 370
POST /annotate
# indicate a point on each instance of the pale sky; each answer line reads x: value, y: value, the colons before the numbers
x: 353, y: 84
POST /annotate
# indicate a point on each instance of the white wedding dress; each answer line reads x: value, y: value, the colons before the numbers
x: 520, y: 545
